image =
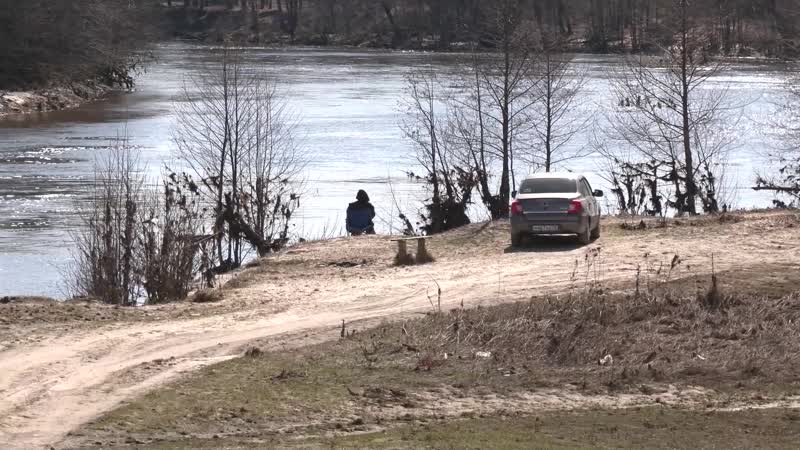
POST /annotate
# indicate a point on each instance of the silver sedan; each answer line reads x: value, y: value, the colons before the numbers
x: 555, y: 203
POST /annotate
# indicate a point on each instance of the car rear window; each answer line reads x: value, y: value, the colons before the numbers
x: 548, y: 186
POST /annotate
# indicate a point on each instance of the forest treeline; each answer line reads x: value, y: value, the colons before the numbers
x: 766, y: 27
x: 50, y: 41
x: 43, y: 42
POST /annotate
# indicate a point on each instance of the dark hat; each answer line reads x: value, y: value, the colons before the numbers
x: 362, y: 196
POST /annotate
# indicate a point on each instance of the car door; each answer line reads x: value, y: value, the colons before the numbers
x: 591, y: 202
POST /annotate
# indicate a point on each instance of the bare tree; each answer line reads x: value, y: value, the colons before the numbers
x: 422, y: 122
x: 429, y: 125
x: 786, y: 182
x: 236, y: 134
x: 293, y: 10
x: 272, y: 164
x: 553, y: 117
x: 494, y: 100
x: 669, y: 119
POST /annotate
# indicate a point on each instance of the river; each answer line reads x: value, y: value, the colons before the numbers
x: 348, y: 103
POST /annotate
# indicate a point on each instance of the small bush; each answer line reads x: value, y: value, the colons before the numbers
x: 133, y: 242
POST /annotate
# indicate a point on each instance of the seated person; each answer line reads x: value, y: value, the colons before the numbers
x: 359, y: 215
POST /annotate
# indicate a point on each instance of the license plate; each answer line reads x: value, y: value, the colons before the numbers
x: 544, y: 228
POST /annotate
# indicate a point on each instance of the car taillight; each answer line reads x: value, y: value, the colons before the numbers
x: 516, y: 208
x: 575, y: 207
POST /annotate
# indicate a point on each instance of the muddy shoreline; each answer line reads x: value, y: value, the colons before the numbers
x: 54, y: 98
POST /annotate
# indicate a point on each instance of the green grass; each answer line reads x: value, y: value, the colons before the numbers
x: 303, y: 392
x: 637, y: 428
x: 239, y: 394
x: 652, y: 428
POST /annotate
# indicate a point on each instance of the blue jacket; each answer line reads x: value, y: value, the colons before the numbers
x: 360, y: 215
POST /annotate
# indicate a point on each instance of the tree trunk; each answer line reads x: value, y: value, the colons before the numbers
x: 500, y: 209
x: 397, y: 37
x: 548, y: 115
x: 691, y: 189
x: 480, y: 163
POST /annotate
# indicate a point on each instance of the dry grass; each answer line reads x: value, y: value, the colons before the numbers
x: 713, y: 339
x: 644, y: 223
x: 785, y: 217
x: 470, y: 363
x: 207, y: 296
x: 651, y: 428
x: 25, y: 311
x: 725, y: 331
x: 637, y: 428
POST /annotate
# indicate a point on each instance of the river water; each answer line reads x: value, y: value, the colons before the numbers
x: 348, y: 103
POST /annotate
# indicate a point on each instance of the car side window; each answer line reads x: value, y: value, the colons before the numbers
x: 585, y: 189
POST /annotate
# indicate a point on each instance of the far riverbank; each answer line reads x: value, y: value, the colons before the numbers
x: 55, y: 98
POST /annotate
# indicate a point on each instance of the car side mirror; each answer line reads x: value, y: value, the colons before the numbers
x: 598, y: 193
x: 513, y: 194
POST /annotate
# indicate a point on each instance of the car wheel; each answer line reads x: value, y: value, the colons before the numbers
x: 516, y: 240
x: 596, y: 232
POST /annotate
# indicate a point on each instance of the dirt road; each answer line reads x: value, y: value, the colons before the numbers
x: 50, y: 387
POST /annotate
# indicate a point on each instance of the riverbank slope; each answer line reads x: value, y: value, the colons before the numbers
x: 51, y: 99
x: 64, y: 371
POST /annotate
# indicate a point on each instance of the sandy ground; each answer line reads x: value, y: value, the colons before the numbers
x: 67, y: 375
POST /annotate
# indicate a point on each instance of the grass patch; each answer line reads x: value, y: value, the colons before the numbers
x: 472, y: 378
x: 237, y: 396
x: 652, y: 428
x: 637, y: 428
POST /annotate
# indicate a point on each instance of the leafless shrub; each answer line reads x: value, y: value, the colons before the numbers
x: 105, y: 264
x: 786, y: 182
x: 669, y: 126
x: 428, y: 124
x: 168, y: 244
x: 238, y: 137
x: 437, y: 306
x: 134, y: 245
x: 635, y: 185
x: 713, y: 299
